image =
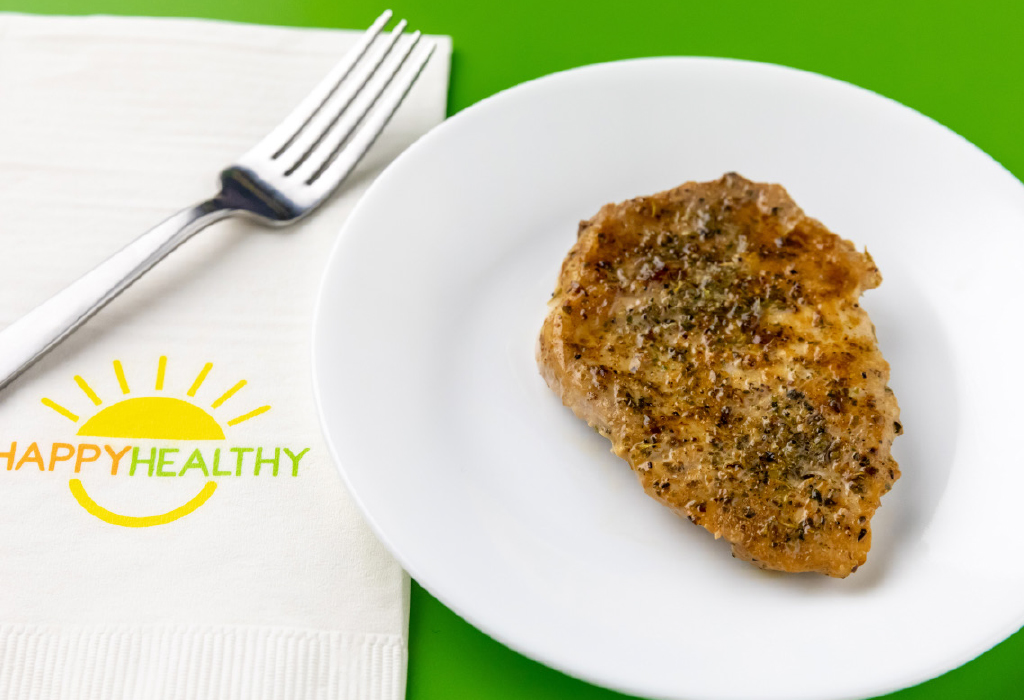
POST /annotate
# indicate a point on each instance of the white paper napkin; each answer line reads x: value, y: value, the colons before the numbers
x: 165, y: 534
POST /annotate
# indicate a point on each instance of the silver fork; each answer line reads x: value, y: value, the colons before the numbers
x: 287, y: 175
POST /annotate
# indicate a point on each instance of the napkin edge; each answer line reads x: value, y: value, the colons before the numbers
x: 142, y: 661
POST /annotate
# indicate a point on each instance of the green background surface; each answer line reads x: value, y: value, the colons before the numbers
x: 961, y: 64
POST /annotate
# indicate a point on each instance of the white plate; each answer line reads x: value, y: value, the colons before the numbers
x: 514, y: 514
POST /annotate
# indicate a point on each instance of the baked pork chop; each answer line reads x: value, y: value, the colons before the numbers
x: 713, y: 333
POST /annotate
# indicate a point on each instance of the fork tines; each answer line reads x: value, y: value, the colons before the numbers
x: 331, y: 129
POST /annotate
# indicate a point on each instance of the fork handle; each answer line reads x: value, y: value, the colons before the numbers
x: 33, y: 335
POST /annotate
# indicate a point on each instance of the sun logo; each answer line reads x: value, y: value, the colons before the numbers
x: 155, y: 417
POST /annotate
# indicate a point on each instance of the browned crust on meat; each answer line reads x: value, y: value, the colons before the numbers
x: 713, y: 333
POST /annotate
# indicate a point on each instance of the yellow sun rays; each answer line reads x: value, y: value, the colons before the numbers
x: 228, y: 394
x: 161, y: 373
x: 200, y: 379
x: 84, y: 386
x: 61, y: 410
x: 246, y: 416
x: 121, y: 381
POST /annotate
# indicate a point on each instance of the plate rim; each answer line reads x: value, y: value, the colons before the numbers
x: 898, y: 682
